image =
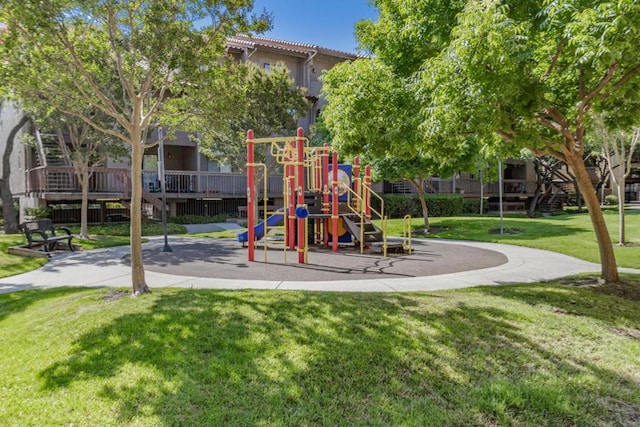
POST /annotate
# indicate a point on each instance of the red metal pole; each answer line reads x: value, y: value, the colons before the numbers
x: 300, y: 226
x: 356, y: 182
x: 334, y: 203
x: 325, y: 194
x: 291, y: 209
x: 251, y: 205
x: 366, y: 196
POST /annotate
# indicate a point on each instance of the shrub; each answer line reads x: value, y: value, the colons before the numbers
x: 472, y: 206
x: 611, y: 199
x: 399, y: 205
x: 198, y: 219
x: 36, y: 213
x: 445, y: 205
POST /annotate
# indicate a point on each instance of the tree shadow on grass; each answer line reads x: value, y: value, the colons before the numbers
x: 293, y: 358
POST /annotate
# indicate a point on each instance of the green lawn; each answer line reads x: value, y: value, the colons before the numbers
x: 571, y: 234
x: 11, y: 265
x: 562, y: 353
x: 528, y: 355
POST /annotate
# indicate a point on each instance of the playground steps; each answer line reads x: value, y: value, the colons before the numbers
x: 371, y: 232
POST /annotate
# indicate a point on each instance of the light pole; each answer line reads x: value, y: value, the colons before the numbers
x: 166, y: 247
x: 500, y: 193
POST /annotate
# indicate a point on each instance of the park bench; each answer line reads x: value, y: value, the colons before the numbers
x: 41, y: 232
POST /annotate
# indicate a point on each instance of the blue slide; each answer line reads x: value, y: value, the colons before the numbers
x: 272, y: 221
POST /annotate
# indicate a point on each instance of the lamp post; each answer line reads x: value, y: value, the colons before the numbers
x: 166, y: 247
x: 500, y: 193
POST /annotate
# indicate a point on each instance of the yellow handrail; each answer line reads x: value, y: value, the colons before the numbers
x: 373, y: 193
x: 359, y: 210
x: 406, y: 234
x: 384, y: 236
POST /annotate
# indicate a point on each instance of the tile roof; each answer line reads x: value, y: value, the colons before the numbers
x: 242, y: 40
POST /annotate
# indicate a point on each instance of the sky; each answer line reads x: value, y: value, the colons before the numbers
x: 325, y: 23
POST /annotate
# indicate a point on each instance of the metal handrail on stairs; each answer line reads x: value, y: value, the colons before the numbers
x: 360, y: 210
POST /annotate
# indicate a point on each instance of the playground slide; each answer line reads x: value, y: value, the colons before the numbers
x: 272, y: 221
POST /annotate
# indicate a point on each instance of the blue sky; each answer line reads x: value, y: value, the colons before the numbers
x: 326, y: 23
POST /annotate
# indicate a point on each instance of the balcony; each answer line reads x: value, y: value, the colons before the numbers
x: 467, y: 187
x: 58, y: 182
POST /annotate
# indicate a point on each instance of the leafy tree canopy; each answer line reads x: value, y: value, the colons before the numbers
x: 408, y: 31
x: 531, y: 71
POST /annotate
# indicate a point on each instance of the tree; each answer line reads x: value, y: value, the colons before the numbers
x: 531, y: 72
x: 370, y: 112
x: 159, y: 56
x: 416, y: 171
x: 9, y: 213
x: 88, y: 150
x: 266, y: 101
x: 618, y: 148
x: 88, y: 146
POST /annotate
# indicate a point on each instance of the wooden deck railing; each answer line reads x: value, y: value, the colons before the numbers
x: 513, y: 187
x: 62, y: 179
x: 191, y: 184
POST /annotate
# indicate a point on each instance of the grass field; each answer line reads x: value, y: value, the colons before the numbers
x: 545, y: 354
x: 11, y: 265
x: 529, y: 355
x: 571, y: 234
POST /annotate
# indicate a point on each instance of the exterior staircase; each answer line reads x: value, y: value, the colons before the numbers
x: 556, y: 193
x: 552, y: 202
x: 50, y: 152
x: 150, y: 206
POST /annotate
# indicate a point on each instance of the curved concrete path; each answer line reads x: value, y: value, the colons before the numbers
x: 109, y: 268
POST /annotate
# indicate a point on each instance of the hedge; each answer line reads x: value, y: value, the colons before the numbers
x: 198, y: 219
x: 399, y: 205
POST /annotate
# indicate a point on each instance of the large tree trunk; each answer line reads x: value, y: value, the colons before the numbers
x: 84, y: 210
x: 607, y: 256
x: 137, y: 267
x: 423, y: 202
x: 621, y: 233
x: 9, y: 213
x: 538, y: 191
x: 80, y: 161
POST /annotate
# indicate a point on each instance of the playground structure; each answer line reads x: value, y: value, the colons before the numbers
x: 334, y: 198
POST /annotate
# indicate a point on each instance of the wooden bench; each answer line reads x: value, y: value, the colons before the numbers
x: 41, y: 232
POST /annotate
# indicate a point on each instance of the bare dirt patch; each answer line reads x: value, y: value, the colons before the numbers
x: 625, y: 288
x: 505, y: 231
x: 114, y: 295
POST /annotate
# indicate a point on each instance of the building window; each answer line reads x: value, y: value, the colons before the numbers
x: 266, y: 66
x: 213, y: 166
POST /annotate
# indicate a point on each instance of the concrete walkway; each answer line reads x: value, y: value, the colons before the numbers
x: 109, y: 268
